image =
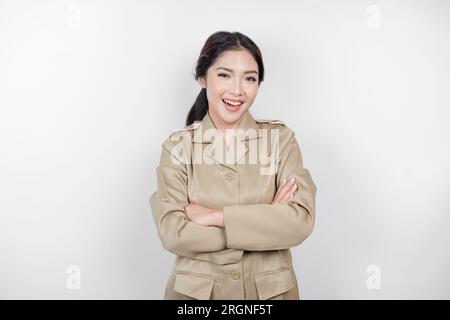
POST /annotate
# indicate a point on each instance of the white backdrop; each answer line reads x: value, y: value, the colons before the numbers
x: 90, y: 89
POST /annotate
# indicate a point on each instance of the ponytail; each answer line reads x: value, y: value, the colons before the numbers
x: 199, y: 109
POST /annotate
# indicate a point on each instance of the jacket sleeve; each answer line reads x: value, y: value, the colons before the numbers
x: 177, y: 234
x: 258, y: 227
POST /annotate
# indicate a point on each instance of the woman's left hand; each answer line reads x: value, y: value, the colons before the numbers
x: 209, y: 217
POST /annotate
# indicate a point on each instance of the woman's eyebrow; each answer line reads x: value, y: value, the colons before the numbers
x: 229, y: 70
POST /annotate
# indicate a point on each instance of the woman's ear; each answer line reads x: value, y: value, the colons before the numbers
x: 202, y: 82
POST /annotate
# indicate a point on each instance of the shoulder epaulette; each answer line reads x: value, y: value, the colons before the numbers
x: 192, y: 126
x: 271, y: 121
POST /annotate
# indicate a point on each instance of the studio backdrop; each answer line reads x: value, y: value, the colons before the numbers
x: 89, y: 90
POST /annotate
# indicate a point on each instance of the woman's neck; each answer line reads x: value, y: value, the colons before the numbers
x: 222, y: 127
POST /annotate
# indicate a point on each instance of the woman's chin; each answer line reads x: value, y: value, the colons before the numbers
x: 231, y: 118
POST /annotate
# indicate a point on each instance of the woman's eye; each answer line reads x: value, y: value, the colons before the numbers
x: 224, y: 75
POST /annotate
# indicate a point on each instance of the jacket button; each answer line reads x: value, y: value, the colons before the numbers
x: 229, y: 176
x: 235, y: 275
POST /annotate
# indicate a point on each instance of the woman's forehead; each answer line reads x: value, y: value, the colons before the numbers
x: 236, y: 60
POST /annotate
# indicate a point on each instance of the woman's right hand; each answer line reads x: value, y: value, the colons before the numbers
x: 285, y: 191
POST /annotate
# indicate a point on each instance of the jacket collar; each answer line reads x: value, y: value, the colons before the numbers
x: 248, y: 129
x: 208, y: 136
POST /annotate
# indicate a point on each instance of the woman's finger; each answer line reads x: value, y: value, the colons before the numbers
x: 281, y: 190
x: 290, y: 194
x: 286, y: 190
x: 287, y: 187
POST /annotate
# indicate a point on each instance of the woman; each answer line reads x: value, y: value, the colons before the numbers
x: 231, y: 217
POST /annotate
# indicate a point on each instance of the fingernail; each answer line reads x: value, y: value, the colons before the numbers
x: 283, y: 181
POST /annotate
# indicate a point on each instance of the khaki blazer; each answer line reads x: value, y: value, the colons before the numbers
x: 250, y: 257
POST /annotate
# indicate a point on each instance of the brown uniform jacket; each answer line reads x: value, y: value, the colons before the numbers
x: 250, y: 257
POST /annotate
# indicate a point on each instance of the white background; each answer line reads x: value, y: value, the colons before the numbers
x: 90, y: 89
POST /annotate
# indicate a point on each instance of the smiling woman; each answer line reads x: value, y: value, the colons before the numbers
x: 229, y: 70
x: 231, y: 224
x: 232, y: 85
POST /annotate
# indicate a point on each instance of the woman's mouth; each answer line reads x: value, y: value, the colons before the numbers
x: 232, y: 105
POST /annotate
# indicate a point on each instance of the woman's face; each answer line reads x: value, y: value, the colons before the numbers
x: 233, y: 78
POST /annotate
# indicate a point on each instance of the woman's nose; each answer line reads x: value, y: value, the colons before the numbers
x: 235, y: 88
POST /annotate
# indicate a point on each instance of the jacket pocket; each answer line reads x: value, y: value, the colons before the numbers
x: 195, y: 285
x: 270, y: 284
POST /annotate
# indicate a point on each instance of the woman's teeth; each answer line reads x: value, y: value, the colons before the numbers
x: 232, y: 103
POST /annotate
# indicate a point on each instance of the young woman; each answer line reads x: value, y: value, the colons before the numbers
x: 229, y: 216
